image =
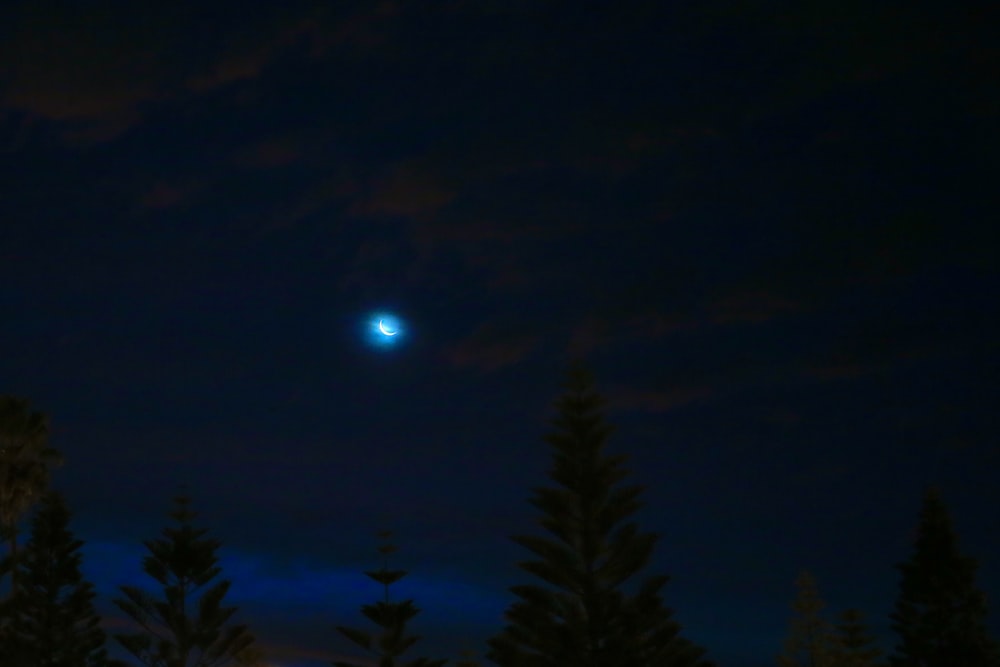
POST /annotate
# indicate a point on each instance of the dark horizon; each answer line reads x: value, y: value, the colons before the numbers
x: 255, y: 583
x: 770, y: 231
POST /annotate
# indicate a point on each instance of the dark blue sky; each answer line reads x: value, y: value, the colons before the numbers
x: 769, y: 227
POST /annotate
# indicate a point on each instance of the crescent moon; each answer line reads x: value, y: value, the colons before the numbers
x: 386, y: 332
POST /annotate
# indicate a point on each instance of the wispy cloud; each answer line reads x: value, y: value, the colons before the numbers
x: 601, y: 330
x: 302, y: 584
x: 94, y: 73
x: 627, y: 399
x: 164, y: 195
x: 303, y: 593
x: 269, y: 153
x: 408, y: 191
x: 491, y: 348
x: 750, y: 307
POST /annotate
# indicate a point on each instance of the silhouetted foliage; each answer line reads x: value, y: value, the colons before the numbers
x: 391, y: 642
x: 468, y: 659
x: 581, y: 616
x: 940, y: 615
x: 25, y: 461
x: 854, y: 645
x: 810, y: 637
x: 52, y: 618
x: 187, y: 627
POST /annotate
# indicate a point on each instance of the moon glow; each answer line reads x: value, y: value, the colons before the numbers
x: 383, y: 329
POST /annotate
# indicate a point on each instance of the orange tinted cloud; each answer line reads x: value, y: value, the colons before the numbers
x: 596, y: 332
x: 274, y: 152
x: 750, y: 307
x: 82, y: 64
x: 409, y: 191
x: 629, y: 399
x: 74, y: 64
x: 838, y: 367
x: 161, y: 196
x: 489, y: 350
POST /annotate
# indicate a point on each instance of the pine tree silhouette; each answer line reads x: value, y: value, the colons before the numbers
x: 391, y: 642
x: 940, y: 615
x: 580, y: 615
x: 53, y: 622
x: 25, y: 462
x: 187, y: 627
x: 810, y: 636
x: 854, y: 645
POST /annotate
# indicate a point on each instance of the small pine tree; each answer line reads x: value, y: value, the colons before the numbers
x: 940, y: 615
x: 810, y: 637
x: 52, y: 618
x: 188, y: 626
x: 392, y: 642
x: 581, y: 616
x: 854, y: 645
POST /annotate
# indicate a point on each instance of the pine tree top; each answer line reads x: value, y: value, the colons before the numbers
x: 189, y: 619
x: 810, y: 640
x: 578, y: 613
x: 937, y: 566
x: 183, y: 553
x: 53, y: 620
x: 855, y: 645
x: 940, y: 614
x: 392, y: 640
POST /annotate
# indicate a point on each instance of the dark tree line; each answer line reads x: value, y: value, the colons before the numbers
x: 939, y: 617
x: 587, y: 604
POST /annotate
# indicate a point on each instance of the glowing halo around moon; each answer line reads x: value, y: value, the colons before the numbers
x: 384, y: 329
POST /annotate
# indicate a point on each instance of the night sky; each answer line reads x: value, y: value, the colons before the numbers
x: 769, y: 228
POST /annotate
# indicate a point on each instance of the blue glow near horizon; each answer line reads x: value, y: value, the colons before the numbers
x: 385, y: 330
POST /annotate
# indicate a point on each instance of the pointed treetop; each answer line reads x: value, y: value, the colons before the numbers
x: 391, y: 618
x: 810, y: 639
x: 855, y: 646
x: 182, y: 512
x: 189, y: 620
x: 940, y: 613
x: 575, y: 611
x: 53, y: 621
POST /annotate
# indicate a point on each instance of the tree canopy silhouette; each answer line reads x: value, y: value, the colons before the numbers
x: 580, y: 614
x: 25, y: 461
x: 810, y: 636
x: 940, y: 614
x: 391, y: 641
x: 854, y: 645
x: 53, y: 622
x: 187, y: 626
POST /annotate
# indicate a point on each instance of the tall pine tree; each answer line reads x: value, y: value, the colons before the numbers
x: 854, y: 645
x: 53, y: 620
x: 391, y: 641
x: 810, y: 636
x: 579, y: 614
x: 187, y: 626
x: 940, y: 614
